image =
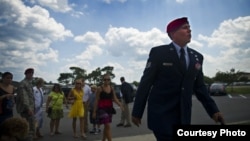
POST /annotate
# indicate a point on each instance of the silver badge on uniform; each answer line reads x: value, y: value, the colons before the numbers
x: 148, y: 65
x: 167, y: 64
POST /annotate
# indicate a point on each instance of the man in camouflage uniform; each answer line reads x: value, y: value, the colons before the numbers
x: 25, y: 102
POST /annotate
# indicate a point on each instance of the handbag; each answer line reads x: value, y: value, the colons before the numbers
x: 50, y: 107
x: 101, y: 114
x: 113, y: 111
x: 49, y: 110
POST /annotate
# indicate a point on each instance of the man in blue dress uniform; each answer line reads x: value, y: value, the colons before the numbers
x: 172, y: 74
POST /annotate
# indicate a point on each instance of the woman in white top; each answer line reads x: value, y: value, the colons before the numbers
x: 39, y: 99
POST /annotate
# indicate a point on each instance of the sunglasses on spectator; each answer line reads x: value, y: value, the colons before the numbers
x: 106, y: 79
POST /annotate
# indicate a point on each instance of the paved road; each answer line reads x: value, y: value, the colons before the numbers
x: 119, y: 133
x: 235, y: 108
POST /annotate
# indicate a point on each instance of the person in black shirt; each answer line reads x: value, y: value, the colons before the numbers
x: 127, y: 97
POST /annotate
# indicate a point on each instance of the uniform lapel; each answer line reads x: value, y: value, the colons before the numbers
x: 193, y: 60
x: 176, y: 59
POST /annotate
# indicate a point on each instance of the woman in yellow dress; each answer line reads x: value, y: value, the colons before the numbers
x: 76, y: 110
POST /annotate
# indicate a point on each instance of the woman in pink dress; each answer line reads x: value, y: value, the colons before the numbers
x: 103, y: 107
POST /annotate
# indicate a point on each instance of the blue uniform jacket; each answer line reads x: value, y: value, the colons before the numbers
x: 168, y: 90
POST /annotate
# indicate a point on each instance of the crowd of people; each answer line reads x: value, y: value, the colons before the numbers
x: 29, y: 100
x: 172, y: 74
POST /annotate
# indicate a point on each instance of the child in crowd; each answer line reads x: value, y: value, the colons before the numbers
x: 96, y: 127
x: 14, y: 129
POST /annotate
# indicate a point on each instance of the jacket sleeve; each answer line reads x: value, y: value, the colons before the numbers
x: 203, y: 96
x: 145, y: 85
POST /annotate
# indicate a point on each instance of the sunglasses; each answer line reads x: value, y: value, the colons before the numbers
x: 106, y: 79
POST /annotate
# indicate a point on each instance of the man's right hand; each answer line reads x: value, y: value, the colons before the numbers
x: 30, y: 112
x: 218, y: 117
x: 136, y: 121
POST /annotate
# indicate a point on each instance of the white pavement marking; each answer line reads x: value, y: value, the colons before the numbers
x: 146, y: 137
x: 237, y: 96
x: 243, y: 96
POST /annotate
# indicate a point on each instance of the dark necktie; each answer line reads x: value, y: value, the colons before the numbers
x: 183, y: 60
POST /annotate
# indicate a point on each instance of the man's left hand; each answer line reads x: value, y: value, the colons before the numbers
x: 218, y: 117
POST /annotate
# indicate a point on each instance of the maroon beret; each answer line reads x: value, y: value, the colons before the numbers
x: 29, y: 70
x: 175, y: 24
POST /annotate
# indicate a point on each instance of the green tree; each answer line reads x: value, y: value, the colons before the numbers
x: 108, y: 70
x: 78, y: 73
x: 208, y: 80
x: 220, y: 77
x: 243, y: 79
x: 227, y: 77
x: 95, y: 76
x: 65, y: 78
x: 232, y: 76
x: 136, y: 83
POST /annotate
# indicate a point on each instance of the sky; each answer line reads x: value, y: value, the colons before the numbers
x: 53, y: 35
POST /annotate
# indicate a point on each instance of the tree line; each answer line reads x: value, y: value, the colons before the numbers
x: 228, y: 77
x: 95, y: 77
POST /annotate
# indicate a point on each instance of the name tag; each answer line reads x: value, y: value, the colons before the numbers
x: 167, y: 64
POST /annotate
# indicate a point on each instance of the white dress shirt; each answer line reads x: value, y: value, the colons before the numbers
x: 87, y: 92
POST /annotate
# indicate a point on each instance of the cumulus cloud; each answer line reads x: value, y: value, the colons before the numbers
x: 121, y: 42
x: 132, y: 42
x: 180, y: 1
x: 129, y: 48
x: 230, y: 34
x: 90, y: 52
x: 29, y: 36
x: 26, y: 34
x: 56, y: 5
x: 109, y: 1
x: 90, y: 38
x: 196, y: 45
x: 126, y: 49
x: 231, y: 42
